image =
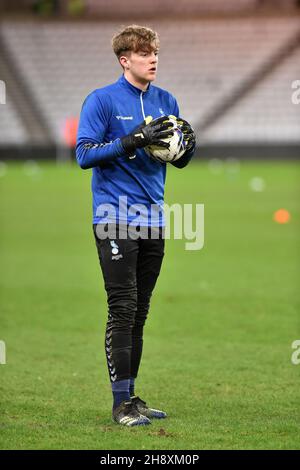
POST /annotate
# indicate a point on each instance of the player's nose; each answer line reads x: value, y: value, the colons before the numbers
x: 154, y: 58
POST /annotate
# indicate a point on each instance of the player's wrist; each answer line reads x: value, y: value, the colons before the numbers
x: 128, y: 144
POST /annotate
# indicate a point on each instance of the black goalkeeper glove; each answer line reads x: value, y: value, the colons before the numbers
x: 188, y: 132
x: 150, y: 132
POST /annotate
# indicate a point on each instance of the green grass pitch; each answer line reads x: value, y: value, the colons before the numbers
x: 217, y: 349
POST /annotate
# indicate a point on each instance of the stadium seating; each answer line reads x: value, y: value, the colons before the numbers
x: 202, y: 62
x: 267, y: 114
x: 182, y: 7
x: 12, y: 128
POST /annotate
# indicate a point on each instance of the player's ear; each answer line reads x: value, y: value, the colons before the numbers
x: 123, y: 61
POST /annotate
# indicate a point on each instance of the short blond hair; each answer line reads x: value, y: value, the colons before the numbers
x: 134, y: 38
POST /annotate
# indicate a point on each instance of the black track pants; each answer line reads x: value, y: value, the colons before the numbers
x: 130, y: 269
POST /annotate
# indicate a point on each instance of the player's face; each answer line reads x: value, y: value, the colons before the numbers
x: 141, y: 66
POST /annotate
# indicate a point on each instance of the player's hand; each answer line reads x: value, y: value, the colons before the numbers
x: 188, y: 132
x: 150, y: 132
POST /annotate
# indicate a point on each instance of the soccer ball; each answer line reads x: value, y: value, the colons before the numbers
x: 176, y: 148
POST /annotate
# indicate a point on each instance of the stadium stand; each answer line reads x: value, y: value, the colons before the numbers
x: 266, y: 114
x: 12, y: 128
x: 22, y: 105
x: 216, y: 57
x: 183, y: 7
x: 202, y: 61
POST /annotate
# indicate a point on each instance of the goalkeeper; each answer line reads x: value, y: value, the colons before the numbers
x: 113, y: 131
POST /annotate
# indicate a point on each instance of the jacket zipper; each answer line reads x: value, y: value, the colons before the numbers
x: 142, y: 104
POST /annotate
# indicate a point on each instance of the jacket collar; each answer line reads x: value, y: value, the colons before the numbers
x: 137, y: 91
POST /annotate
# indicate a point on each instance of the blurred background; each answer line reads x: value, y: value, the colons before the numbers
x: 230, y: 64
x: 218, y: 341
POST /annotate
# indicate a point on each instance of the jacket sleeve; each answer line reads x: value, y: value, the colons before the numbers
x: 91, y: 148
x: 187, y: 156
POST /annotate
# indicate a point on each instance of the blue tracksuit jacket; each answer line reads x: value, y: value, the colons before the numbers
x: 110, y: 113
